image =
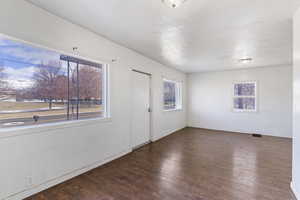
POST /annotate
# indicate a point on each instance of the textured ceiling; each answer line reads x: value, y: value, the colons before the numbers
x: 201, y: 35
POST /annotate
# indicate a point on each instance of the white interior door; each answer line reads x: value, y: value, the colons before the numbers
x: 140, y: 109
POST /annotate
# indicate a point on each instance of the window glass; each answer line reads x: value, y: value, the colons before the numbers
x: 169, y: 95
x: 172, y: 95
x: 90, y: 91
x: 40, y: 86
x: 244, y: 96
x: 246, y: 89
x: 244, y: 103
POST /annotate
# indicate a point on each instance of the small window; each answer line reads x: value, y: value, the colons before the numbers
x: 39, y: 86
x: 245, y: 97
x: 172, y: 95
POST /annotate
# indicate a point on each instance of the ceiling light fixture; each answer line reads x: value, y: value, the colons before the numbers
x: 245, y: 60
x: 173, y: 3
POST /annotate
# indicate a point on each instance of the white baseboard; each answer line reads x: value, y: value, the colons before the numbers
x: 237, y: 131
x: 38, y: 188
x: 296, y: 193
x: 50, y: 183
x: 166, y: 133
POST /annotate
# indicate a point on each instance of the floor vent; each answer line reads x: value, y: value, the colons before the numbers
x: 256, y: 135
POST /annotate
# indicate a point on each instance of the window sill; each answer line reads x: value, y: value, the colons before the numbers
x: 174, y: 110
x: 245, y: 111
x: 35, y: 129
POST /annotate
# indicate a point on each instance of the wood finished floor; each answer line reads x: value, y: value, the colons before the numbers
x: 191, y: 164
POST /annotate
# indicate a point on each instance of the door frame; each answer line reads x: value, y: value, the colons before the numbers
x: 132, y: 70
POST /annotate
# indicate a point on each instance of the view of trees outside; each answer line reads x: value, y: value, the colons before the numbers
x: 244, y: 96
x: 244, y: 103
x: 244, y: 89
x: 37, y: 86
x: 169, y: 95
x: 90, y: 88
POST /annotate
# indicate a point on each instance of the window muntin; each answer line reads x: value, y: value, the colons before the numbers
x: 245, y: 97
x: 39, y: 86
x: 172, y: 97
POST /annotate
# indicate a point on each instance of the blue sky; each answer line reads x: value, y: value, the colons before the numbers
x: 19, y: 61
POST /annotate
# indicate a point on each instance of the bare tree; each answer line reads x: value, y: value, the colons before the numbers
x: 90, y: 83
x: 46, y: 77
x: 28, y: 93
x: 61, y: 87
x: 51, y: 83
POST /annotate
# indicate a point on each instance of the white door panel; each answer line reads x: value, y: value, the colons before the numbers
x: 140, y: 105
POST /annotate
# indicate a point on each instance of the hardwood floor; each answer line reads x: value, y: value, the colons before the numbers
x: 191, y: 164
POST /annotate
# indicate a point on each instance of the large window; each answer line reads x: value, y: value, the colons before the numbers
x: 172, y: 95
x: 39, y: 86
x: 245, y: 97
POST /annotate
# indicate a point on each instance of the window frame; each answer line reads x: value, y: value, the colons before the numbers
x: 67, y: 123
x: 178, y: 95
x: 245, y: 96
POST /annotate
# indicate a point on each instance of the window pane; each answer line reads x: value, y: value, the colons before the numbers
x: 244, y: 103
x: 31, y: 85
x: 169, y: 95
x: 90, y: 91
x: 244, y: 89
x: 40, y: 86
x: 72, y: 113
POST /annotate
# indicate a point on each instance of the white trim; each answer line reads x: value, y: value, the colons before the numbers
x: 36, y: 129
x: 50, y: 183
x: 106, y: 90
x: 235, y: 131
x: 132, y: 70
x: 296, y: 193
x: 166, y: 133
x: 175, y: 80
x: 173, y: 110
x: 36, y: 45
x: 8, y: 132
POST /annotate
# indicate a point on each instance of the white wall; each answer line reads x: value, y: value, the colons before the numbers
x: 32, y: 157
x: 296, y: 108
x: 210, y: 101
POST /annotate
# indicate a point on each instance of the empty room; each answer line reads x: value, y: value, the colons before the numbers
x: 150, y: 100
